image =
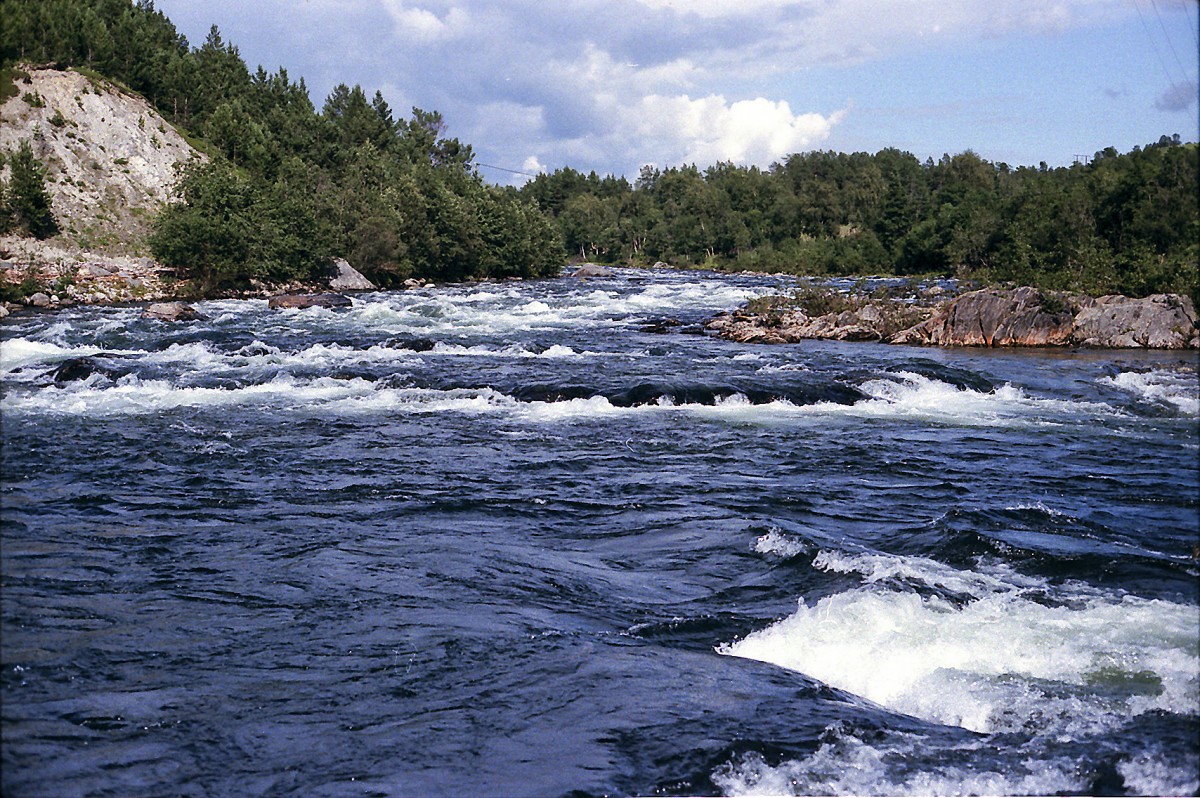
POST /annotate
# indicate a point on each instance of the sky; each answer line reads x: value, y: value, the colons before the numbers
x: 613, y: 85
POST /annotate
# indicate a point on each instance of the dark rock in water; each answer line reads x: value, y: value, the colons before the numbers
x: 328, y: 300
x: 661, y: 326
x: 172, y: 311
x: 76, y: 369
x: 592, y: 270
x: 412, y: 344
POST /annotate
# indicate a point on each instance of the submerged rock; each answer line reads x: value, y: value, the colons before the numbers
x: 81, y: 368
x: 172, y: 311
x: 328, y: 300
x: 349, y: 279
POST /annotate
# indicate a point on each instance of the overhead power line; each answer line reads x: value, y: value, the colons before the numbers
x: 1158, y: 52
x: 503, y: 169
x: 1167, y: 36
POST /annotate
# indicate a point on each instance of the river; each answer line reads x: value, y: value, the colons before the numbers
x: 526, y: 539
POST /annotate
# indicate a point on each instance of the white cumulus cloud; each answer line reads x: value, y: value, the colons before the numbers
x: 710, y: 129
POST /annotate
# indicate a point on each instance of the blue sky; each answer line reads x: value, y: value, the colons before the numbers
x: 611, y: 85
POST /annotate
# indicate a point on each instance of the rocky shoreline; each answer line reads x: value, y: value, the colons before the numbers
x: 990, y: 317
x: 55, y: 275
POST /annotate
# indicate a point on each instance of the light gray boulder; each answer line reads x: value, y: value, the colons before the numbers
x: 349, y: 279
x: 171, y: 311
x: 592, y: 270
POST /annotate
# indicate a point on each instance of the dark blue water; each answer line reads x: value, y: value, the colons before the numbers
x: 506, y: 540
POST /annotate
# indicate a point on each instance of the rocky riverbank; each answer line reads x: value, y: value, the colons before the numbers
x: 988, y: 317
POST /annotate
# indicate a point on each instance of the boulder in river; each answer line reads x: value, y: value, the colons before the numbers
x: 327, y: 300
x: 349, y: 279
x: 592, y: 270
x: 81, y: 368
x: 172, y: 311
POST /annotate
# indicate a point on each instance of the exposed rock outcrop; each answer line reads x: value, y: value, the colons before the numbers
x: 285, y: 301
x: 349, y: 279
x: 995, y: 317
x: 871, y: 322
x: 110, y: 158
x: 991, y: 317
x: 1162, y: 321
x: 1029, y: 317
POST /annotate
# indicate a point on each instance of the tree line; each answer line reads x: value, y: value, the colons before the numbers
x: 1118, y: 223
x: 288, y: 186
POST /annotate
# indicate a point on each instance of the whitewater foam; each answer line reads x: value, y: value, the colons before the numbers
x: 847, y: 765
x: 999, y: 661
x: 1177, y: 389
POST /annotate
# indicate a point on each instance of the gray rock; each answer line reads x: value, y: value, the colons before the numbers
x: 349, y: 279
x: 285, y: 301
x: 39, y: 300
x: 592, y: 270
x: 1162, y: 321
x: 3, y: 311
x: 994, y: 317
x: 98, y: 270
x: 171, y: 311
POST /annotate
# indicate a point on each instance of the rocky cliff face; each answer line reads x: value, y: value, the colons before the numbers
x: 110, y: 158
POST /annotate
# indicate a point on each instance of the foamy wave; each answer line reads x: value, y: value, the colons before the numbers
x: 911, y: 395
x: 1178, y: 389
x: 132, y: 396
x: 849, y: 766
x: 17, y: 353
x: 1001, y: 662
x: 776, y: 543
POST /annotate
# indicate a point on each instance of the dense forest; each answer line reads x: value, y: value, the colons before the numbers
x: 289, y: 186
x: 1127, y: 223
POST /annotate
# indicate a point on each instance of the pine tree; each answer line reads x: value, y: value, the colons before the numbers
x: 28, y: 202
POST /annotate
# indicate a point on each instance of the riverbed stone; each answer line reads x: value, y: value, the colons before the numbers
x: 592, y: 270
x: 327, y: 300
x: 172, y: 311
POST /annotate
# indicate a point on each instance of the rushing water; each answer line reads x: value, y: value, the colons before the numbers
x: 505, y: 540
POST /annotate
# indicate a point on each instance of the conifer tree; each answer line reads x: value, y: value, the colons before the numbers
x: 28, y: 202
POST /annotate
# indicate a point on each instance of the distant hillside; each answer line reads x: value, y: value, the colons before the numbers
x: 111, y: 159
